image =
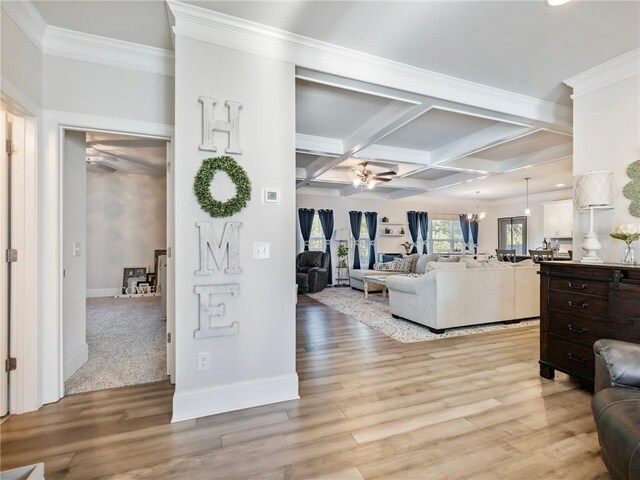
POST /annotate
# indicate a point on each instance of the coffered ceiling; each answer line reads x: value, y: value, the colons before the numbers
x: 436, y: 147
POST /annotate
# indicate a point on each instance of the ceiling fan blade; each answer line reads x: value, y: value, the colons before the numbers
x: 390, y: 172
x: 381, y: 179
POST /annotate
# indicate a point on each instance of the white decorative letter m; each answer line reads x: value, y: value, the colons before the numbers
x: 228, y: 247
x: 210, y: 125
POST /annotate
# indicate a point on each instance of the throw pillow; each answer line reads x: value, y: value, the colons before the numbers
x: 402, y: 265
x: 471, y: 262
x: 446, y: 266
x: 387, y: 266
x: 455, y: 258
x: 421, y: 265
x: 414, y: 259
x: 415, y: 275
x: 433, y: 257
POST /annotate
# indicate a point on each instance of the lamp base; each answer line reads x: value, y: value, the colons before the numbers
x: 591, y: 245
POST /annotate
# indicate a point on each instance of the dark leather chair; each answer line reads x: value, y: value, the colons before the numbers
x: 616, y: 407
x: 312, y: 272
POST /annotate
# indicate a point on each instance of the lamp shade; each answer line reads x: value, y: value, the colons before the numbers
x: 593, y: 190
x: 341, y: 235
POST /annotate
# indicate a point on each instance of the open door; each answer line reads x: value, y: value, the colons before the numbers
x: 4, y: 266
x: 169, y: 284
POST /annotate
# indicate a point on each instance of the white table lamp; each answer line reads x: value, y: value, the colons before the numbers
x: 593, y: 191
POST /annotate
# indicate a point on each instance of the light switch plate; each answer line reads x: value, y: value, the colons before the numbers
x: 261, y: 250
x: 76, y: 249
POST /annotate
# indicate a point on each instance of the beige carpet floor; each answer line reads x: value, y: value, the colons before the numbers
x: 374, y: 312
x: 126, y: 338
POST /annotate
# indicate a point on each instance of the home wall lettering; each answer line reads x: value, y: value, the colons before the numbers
x: 210, y: 125
x: 228, y: 248
x: 210, y: 314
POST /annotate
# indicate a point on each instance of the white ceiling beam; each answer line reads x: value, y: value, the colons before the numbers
x: 152, y: 167
x: 388, y: 119
x: 547, y: 155
x: 314, y: 145
x: 219, y: 29
x: 396, y: 154
x: 456, y: 179
x: 348, y: 190
x: 477, y: 141
x: 301, y: 173
x: 404, y: 193
x: 472, y: 165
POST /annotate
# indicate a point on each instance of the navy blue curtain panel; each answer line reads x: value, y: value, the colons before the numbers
x: 464, y: 225
x: 412, y: 218
x: 305, y: 215
x: 326, y: 220
x: 355, y: 220
x: 424, y: 227
x: 372, y: 224
x: 474, y: 236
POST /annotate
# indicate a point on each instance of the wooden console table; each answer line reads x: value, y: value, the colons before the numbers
x: 579, y: 304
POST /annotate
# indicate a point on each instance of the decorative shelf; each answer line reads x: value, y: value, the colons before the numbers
x: 392, y: 234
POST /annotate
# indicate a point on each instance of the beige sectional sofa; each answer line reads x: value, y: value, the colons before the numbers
x: 447, y: 298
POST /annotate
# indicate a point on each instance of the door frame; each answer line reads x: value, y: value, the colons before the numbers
x: 51, y: 189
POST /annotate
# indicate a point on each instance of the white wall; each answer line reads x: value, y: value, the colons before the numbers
x: 257, y: 366
x: 514, y: 207
x: 74, y: 337
x: 83, y: 87
x: 20, y: 60
x: 606, y: 126
x: 126, y: 222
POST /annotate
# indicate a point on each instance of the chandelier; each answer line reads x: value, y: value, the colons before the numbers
x: 478, y: 216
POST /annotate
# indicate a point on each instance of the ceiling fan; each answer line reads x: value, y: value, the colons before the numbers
x: 368, y: 178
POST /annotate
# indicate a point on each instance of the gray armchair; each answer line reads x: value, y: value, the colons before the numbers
x: 312, y: 273
x: 616, y: 407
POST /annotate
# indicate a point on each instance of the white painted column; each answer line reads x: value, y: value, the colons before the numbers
x: 257, y: 365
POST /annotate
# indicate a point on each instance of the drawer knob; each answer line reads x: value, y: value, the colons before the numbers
x: 576, y: 359
x: 577, y: 305
x: 576, y: 330
x: 575, y: 286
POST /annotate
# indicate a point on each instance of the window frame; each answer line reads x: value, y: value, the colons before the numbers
x: 452, y: 240
x: 509, y: 246
x: 313, y: 239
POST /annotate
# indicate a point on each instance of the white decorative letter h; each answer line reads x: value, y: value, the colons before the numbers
x: 210, y: 125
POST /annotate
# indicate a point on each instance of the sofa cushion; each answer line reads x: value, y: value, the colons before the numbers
x: 525, y: 263
x: 446, y: 266
x: 414, y: 259
x: 455, y: 258
x: 402, y: 265
x: 386, y: 266
x: 421, y: 264
x: 471, y: 262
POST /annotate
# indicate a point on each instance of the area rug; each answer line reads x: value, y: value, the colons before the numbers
x: 126, y: 338
x: 374, y: 312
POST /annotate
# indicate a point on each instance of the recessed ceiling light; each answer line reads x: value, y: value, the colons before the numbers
x: 556, y: 3
x: 559, y: 185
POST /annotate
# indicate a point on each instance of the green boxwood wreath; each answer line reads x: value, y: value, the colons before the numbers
x: 202, y: 186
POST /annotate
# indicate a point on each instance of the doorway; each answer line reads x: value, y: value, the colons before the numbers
x: 114, y: 253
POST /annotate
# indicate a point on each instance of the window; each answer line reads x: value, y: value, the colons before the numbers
x: 445, y: 236
x: 363, y: 244
x: 317, y: 241
x: 512, y: 234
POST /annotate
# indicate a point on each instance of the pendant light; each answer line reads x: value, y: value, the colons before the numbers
x: 527, y: 210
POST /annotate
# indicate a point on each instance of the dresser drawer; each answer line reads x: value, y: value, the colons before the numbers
x: 576, y: 328
x: 573, y: 357
x: 576, y: 303
x: 590, y: 287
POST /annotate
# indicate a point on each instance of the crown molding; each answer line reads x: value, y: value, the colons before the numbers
x: 220, y: 29
x: 26, y: 16
x: 16, y: 100
x: 60, y: 42
x: 608, y: 73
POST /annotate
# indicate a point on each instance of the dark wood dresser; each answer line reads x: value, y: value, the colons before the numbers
x: 579, y: 304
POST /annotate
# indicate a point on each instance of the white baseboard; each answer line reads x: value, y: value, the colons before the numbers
x: 75, y: 360
x: 236, y: 396
x: 102, y: 292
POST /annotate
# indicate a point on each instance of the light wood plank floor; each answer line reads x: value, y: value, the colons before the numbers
x: 467, y: 407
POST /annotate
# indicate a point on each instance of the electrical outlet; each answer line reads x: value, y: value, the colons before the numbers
x: 203, y: 362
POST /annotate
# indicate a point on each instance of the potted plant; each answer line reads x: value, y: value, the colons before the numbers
x: 343, y: 251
